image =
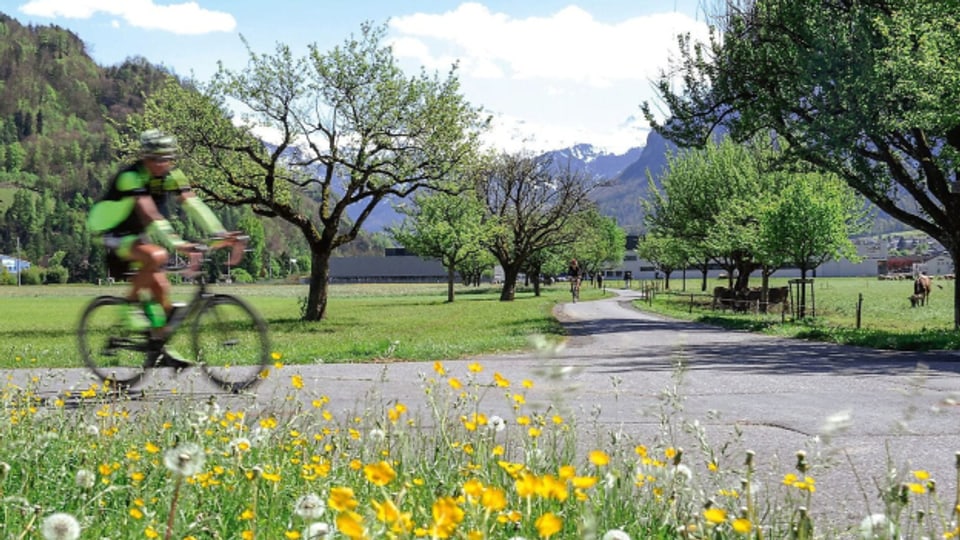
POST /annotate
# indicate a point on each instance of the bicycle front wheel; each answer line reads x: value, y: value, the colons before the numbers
x: 113, y: 353
x: 231, y: 342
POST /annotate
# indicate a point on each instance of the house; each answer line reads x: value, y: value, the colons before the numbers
x: 13, y: 264
x: 395, y: 267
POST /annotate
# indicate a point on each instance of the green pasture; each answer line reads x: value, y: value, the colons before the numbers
x: 397, y: 322
x: 886, y: 318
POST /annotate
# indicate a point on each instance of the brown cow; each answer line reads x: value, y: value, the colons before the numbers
x: 921, y: 291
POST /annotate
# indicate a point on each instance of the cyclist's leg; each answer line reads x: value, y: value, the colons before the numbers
x: 151, y: 275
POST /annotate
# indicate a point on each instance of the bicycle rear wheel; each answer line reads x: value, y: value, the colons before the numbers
x: 113, y: 353
x: 231, y: 342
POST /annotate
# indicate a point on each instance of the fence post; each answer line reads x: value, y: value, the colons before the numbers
x: 859, y: 309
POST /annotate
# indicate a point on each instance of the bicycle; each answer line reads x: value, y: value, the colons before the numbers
x: 228, y: 339
x: 575, y: 289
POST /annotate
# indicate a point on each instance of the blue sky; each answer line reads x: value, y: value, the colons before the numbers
x: 554, y: 73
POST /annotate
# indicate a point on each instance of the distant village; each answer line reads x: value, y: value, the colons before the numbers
x: 886, y: 256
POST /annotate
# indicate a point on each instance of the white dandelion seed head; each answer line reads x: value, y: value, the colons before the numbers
x: 497, y: 423
x: 4, y: 469
x: 316, y: 531
x: 377, y: 435
x: 91, y: 430
x: 309, y: 507
x: 877, y: 527
x: 184, y: 460
x: 683, y: 473
x: 615, y: 534
x: 60, y: 526
x: 85, y: 478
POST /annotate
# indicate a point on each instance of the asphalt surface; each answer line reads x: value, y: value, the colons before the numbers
x: 858, y: 413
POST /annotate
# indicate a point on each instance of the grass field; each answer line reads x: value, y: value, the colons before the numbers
x: 886, y: 318
x: 397, y: 322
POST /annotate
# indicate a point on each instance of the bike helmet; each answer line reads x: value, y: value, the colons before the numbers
x: 155, y: 143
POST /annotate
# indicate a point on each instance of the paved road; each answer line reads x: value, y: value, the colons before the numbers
x: 851, y: 409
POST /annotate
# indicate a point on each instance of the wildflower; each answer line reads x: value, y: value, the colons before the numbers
x: 548, y: 525
x: 350, y: 524
x: 184, y: 460
x: 60, y: 526
x: 742, y: 526
x: 316, y: 531
x: 342, y: 499
x: 599, y: 458
x: 239, y: 445
x: 379, y: 474
x: 876, y: 526
x: 377, y: 435
x: 309, y: 507
x: 91, y: 430
x: 715, y: 515
x: 297, y: 381
x: 85, y: 478
x: 497, y: 424
x: 615, y: 534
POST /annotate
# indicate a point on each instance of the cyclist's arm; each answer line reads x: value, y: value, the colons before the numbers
x: 158, y: 225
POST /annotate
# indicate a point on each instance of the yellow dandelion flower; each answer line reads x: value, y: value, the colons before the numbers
x: 523, y: 420
x: 475, y: 368
x: 135, y: 513
x: 341, y: 499
x: 296, y: 381
x: 519, y: 399
x: 439, y: 369
x: 350, y: 524
x: 742, y: 526
x: 715, y: 515
x: 921, y: 475
x: 387, y: 512
x: 276, y: 356
x: 584, y: 482
x: 557, y: 419
x: 670, y: 453
x: 916, y: 488
x: 247, y: 535
x: 567, y: 471
x: 455, y: 383
x: 150, y: 532
x: 379, y: 474
x: 599, y: 458
x: 247, y: 515
x: 500, y: 380
x: 292, y: 535
x: 640, y: 450
x: 548, y: 525
x: 493, y: 499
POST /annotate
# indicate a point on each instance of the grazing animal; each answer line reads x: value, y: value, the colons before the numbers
x: 921, y: 291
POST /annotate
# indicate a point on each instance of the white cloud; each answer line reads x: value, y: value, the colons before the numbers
x: 183, y: 18
x: 571, y: 78
x: 570, y: 45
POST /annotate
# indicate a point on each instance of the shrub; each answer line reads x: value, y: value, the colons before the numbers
x: 32, y: 276
x: 239, y: 275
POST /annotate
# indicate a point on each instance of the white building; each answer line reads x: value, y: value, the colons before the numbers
x: 13, y: 265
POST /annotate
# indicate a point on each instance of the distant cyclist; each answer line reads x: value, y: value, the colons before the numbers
x: 132, y: 221
x: 575, y: 274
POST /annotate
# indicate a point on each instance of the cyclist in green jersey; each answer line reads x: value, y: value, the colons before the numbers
x: 132, y: 221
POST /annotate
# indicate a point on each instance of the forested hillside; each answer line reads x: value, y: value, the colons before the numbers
x: 60, y: 117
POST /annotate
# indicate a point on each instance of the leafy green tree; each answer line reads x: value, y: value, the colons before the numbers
x: 531, y: 206
x: 866, y: 90
x: 444, y: 226
x: 811, y: 222
x: 599, y: 243
x: 669, y: 254
x: 347, y: 130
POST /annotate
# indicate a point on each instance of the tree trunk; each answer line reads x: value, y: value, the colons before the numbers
x: 536, y: 279
x: 316, y: 308
x: 451, y: 277
x: 509, y: 291
x: 955, y: 255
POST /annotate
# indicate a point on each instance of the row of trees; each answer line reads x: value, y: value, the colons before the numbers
x: 743, y: 207
x: 523, y: 213
x: 864, y: 90
x: 347, y: 130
